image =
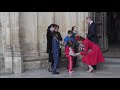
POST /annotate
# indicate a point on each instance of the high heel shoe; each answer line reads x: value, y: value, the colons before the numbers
x: 90, y: 70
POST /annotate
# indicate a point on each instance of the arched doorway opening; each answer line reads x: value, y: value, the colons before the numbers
x: 108, y: 25
x: 113, y: 30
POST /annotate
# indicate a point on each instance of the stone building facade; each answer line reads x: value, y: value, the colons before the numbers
x: 23, y: 37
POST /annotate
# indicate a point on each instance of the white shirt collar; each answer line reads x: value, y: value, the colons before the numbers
x: 91, y: 22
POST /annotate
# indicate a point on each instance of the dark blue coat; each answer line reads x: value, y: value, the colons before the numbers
x: 55, y: 46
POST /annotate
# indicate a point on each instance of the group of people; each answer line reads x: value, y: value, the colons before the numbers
x: 74, y: 45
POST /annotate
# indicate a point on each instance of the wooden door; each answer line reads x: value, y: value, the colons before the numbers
x: 100, y: 18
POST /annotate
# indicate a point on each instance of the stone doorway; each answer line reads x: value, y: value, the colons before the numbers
x: 108, y: 25
x: 113, y: 34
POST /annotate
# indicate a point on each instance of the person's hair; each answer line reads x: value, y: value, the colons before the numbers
x: 69, y: 31
x: 57, y: 26
x: 81, y: 38
x: 89, y: 18
x: 52, y: 25
x: 55, y: 34
x: 73, y: 28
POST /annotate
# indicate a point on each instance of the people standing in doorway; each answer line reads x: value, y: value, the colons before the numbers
x: 76, y: 45
x: 92, y: 32
x: 55, y: 51
x: 49, y: 36
x: 92, y: 54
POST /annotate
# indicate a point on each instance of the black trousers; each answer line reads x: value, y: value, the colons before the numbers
x: 51, y: 59
x: 59, y: 52
x: 74, y: 62
x: 75, y: 58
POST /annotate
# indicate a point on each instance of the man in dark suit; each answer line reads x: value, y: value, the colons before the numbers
x: 59, y: 38
x: 92, y: 32
x: 55, y: 51
x: 60, y: 41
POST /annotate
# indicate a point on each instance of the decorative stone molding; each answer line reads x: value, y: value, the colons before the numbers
x: 16, y: 48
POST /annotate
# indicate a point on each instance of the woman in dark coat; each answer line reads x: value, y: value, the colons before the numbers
x: 49, y: 36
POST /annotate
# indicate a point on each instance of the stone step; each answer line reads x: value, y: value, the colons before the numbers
x: 43, y: 63
x: 110, y: 62
x: 112, y: 54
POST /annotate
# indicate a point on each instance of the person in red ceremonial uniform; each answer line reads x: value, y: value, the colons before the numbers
x: 92, y: 54
x: 70, y: 54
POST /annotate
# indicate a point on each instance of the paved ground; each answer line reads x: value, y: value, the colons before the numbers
x: 110, y: 69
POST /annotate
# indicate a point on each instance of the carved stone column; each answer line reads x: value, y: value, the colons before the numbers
x: 71, y: 20
x: 61, y: 20
x: 44, y: 20
x: 65, y: 20
x: 81, y: 24
x: 2, y: 62
x: 28, y: 34
x: 7, y: 48
x: 87, y: 14
x: 14, y: 26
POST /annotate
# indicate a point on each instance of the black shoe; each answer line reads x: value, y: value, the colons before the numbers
x: 55, y: 72
x: 49, y: 70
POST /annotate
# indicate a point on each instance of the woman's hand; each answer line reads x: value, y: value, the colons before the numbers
x: 81, y: 56
x: 76, y: 54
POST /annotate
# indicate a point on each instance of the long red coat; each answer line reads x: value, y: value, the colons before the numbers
x: 93, y: 57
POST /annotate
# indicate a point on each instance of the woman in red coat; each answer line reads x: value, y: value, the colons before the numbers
x: 92, y: 54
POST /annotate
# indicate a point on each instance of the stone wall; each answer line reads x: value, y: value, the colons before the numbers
x: 23, y: 37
